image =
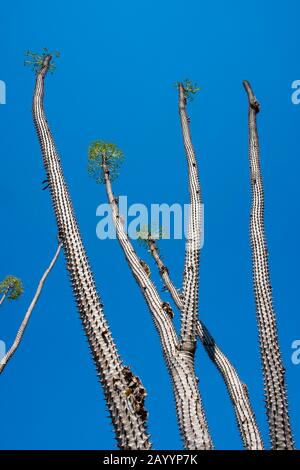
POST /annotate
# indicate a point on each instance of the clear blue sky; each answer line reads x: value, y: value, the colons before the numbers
x: 114, y: 81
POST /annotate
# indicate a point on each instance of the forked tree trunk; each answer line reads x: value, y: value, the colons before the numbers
x: 237, y: 389
x: 273, y: 369
x: 125, y: 408
x: 20, y: 333
x: 190, y: 412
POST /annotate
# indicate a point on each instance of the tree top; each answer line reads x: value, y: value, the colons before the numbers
x: 35, y: 60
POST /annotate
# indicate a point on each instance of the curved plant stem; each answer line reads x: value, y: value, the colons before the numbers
x: 273, y: 369
x: 25, y: 321
x: 123, y: 391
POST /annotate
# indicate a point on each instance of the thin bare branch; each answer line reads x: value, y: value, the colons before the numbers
x: 27, y: 316
x: 3, y: 297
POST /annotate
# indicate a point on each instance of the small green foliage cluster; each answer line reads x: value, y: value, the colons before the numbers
x: 35, y: 60
x: 13, y: 286
x: 189, y: 88
x: 103, y: 152
x: 146, y: 232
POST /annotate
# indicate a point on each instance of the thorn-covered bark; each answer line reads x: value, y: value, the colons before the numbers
x: 20, y: 333
x: 3, y: 296
x: 192, y: 250
x: 273, y: 369
x: 190, y: 412
x: 237, y: 389
x: 126, y: 409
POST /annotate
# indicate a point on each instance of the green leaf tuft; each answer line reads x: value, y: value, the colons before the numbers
x: 13, y: 286
x: 104, y: 152
x: 189, y: 88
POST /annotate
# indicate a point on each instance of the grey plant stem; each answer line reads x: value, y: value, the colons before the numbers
x: 20, y: 333
x: 190, y: 412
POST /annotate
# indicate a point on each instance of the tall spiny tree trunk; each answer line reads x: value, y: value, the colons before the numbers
x: 20, y: 333
x: 189, y: 312
x: 129, y: 424
x: 237, y: 389
x: 273, y: 369
x: 191, y: 417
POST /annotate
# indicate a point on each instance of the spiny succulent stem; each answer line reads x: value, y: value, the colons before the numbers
x: 237, y: 389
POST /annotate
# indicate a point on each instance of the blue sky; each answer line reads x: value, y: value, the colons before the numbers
x: 114, y: 81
